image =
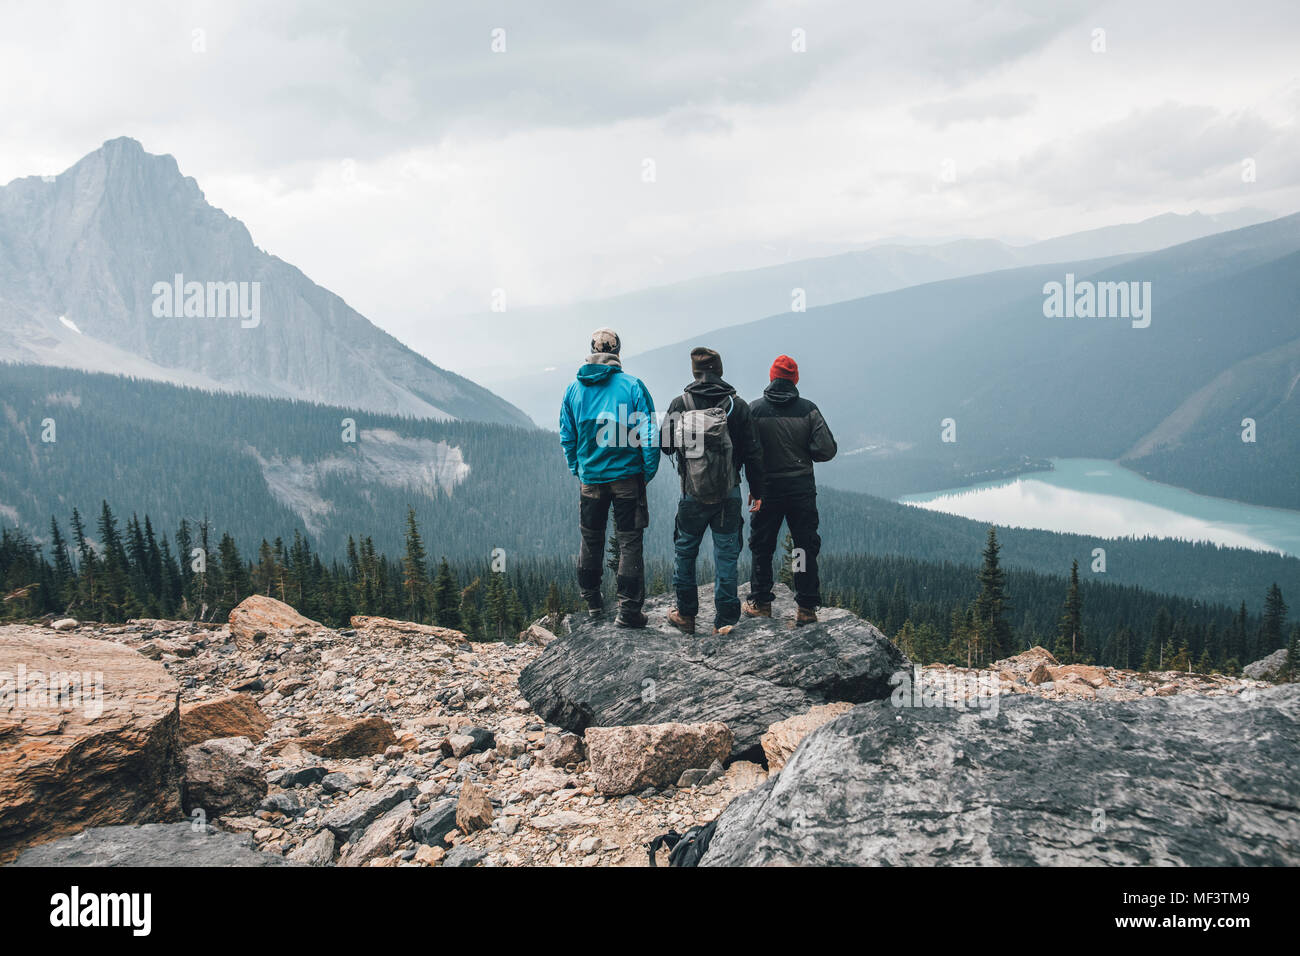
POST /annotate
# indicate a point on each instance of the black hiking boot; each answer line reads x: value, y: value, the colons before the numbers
x: 633, y: 619
x: 683, y: 622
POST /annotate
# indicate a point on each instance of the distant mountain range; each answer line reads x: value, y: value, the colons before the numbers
x: 120, y: 265
x: 654, y: 317
x: 1222, y: 345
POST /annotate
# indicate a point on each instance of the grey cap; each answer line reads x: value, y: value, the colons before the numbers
x: 605, y: 340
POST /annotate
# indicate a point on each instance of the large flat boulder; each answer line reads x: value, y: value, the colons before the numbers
x: 105, y: 751
x: 1187, y: 780
x: 153, y: 844
x: 257, y: 617
x: 230, y: 715
x: 1272, y: 667
x: 763, y: 671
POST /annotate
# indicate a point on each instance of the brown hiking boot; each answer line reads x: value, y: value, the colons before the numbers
x: 680, y: 621
x: 756, y: 610
x: 725, y: 629
x: 806, y: 615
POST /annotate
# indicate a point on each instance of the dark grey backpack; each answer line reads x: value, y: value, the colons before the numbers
x: 707, y: 464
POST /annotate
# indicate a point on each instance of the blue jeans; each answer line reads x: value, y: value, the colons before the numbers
x: 725, y: 522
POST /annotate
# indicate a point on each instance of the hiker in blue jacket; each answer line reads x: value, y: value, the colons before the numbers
x: 610, y: 440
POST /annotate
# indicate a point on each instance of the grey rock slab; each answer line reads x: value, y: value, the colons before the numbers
x: 150, y: 844
x: 763, y: 671
x: 1186, y: 780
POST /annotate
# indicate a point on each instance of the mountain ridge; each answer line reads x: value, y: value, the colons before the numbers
x: 84, y: 255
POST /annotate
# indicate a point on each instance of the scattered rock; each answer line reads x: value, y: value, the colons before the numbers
x: 473, y: 809
x: 283, y: 802
x: 1041, y: 674
x: 1095, y: 676
x: 386, y: 624
x: 430, y: 855
x: 784, y: 736
x: 628, y: 759
x: 434, y: 824
x: 349, y: 820
x: 562, y: 750
x: 302, y: 777
x: 561, y: 820
x: 382, y: 837
x: 64, y: 624
x: 343, y: 737
x: 536, y: 634
x: 462, y: 855
x: 339, y: 782
x: 317, y: 851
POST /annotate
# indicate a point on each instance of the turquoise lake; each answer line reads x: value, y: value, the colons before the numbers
x: 1103, y: 498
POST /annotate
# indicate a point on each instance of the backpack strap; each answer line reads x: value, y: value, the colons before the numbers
x: 689, y: 401
x: 669, y: 839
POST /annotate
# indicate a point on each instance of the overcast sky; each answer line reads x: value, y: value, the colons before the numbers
x: 389, y: 152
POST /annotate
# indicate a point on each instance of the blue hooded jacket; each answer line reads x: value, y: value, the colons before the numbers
x: 607, y: 425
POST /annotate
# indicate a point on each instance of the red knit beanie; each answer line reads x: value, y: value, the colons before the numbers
x: 785, y: 367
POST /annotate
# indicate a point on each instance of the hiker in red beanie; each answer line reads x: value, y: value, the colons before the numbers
x: 793, y: 435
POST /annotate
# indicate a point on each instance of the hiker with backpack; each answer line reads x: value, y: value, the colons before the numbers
x: 608, y: 433
x: 708, y: 429
x: 793, y: 435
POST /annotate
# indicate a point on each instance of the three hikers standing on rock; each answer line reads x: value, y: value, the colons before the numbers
x: 612, y: 442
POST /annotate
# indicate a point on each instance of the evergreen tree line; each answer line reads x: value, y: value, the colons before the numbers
x: 945, y: 613
x: 937, y: 612
x: 128, y: 570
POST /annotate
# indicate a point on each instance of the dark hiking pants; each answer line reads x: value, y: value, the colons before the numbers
x: 724, y: 522
x: 799, y: 512
x: 631, y: 516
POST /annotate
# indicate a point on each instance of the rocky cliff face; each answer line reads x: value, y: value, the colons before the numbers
x: 1188, y: 780
x: 81, y: 257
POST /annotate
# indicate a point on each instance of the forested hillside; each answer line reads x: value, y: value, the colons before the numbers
x: 271, y: 468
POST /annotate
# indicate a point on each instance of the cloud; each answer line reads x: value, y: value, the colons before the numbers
x: 394, y: 157
x: 962, y: 109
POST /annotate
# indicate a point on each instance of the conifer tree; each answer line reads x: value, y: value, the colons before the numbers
x: 1272, y: 625
x: 470, y: 615
x: 415, y: 572
x: 496, y: 605
x: 993, y: 633
x: 1070, y: 630
x: 446, y: 598
x: 64, y: 582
